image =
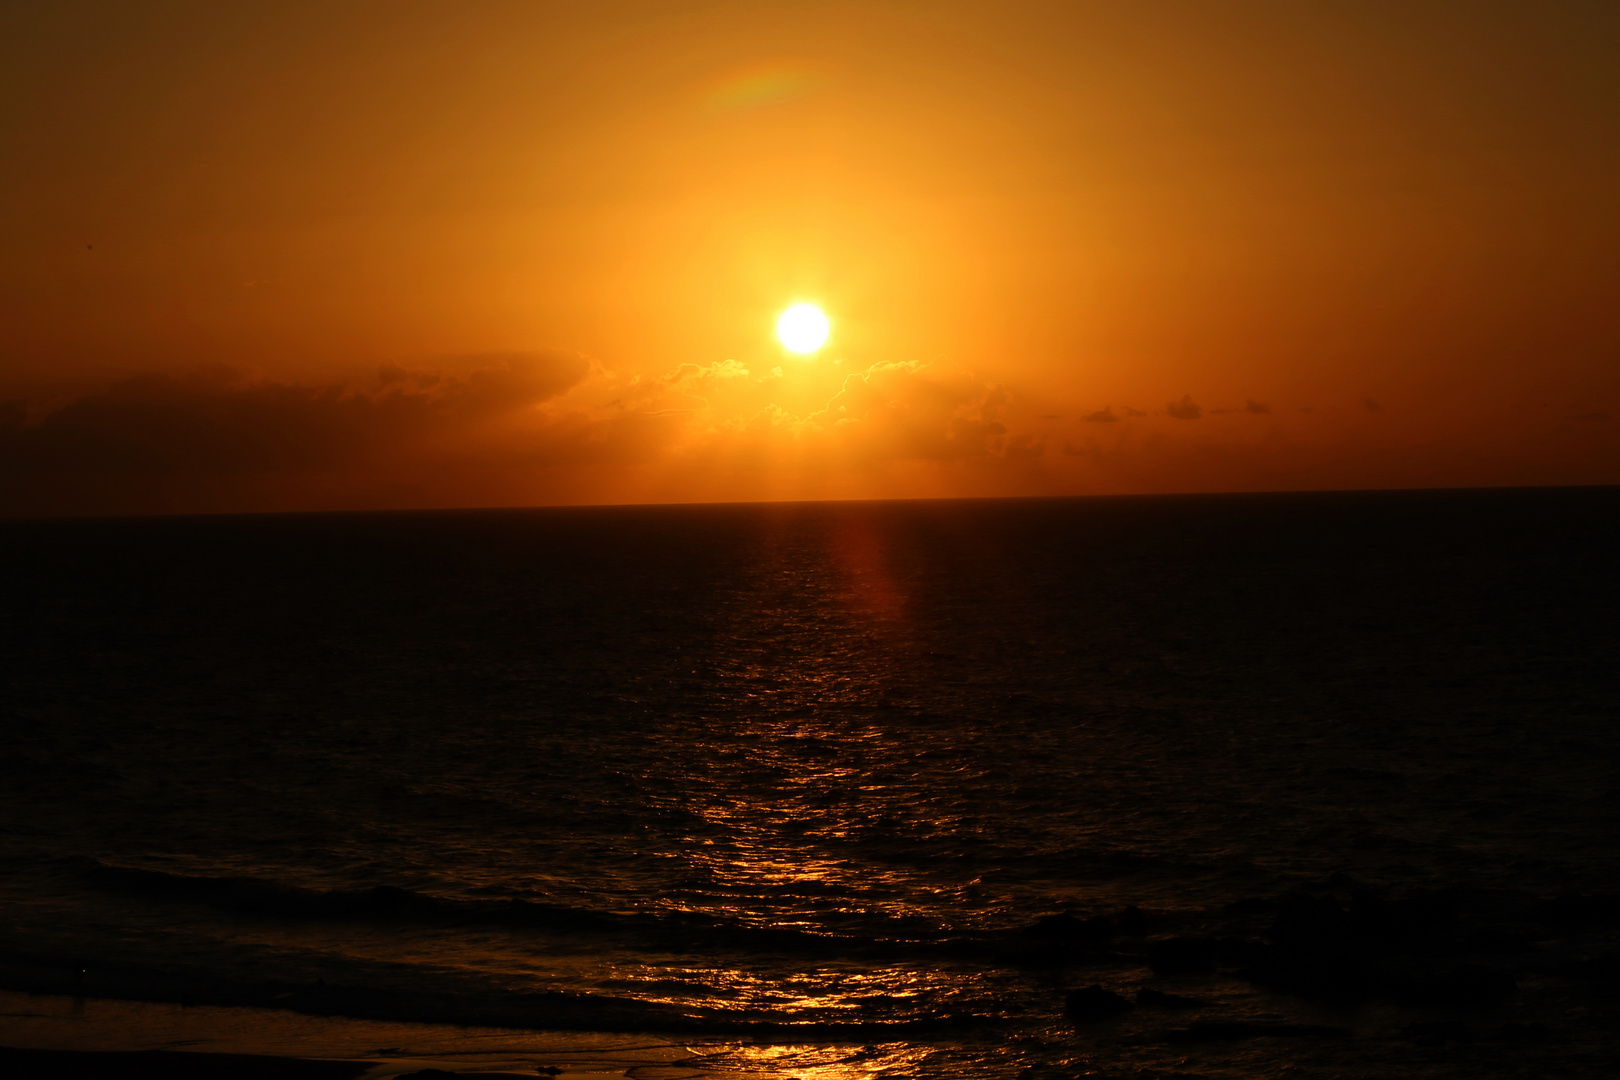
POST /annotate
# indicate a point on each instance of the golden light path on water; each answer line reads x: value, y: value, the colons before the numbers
x: 781, y: 824
x: 823, y: 1062
x: 772, y: 857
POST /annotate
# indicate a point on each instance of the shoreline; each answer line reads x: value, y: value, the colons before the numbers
x: 53, y: 1037
x: 30, y: 1064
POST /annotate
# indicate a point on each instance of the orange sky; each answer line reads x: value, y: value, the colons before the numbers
x: 288, y: 255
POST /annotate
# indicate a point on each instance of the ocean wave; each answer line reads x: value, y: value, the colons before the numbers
x: 459, y: 1000
x: 668, y: 930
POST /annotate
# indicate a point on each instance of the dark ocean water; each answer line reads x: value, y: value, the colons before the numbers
x: 843, y: 790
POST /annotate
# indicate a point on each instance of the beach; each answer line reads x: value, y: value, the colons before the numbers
x: 1304, y: 785
x: 51, y: 1036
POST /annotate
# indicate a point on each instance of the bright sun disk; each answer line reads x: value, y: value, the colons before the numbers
x: 803, y: 328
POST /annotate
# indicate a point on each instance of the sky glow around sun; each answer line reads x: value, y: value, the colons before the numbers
x: 803, y: 328
x: 265, y: 258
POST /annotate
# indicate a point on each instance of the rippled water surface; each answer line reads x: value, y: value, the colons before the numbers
x: 801, y: 783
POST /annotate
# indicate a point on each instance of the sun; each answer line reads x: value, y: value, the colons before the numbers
x: 803, y: 329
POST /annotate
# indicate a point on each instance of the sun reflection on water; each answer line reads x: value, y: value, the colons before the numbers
x: 821, y: 832
x: 821, y: 1061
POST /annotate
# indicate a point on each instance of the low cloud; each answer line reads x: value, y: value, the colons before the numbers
x: 1101, y: 416
x: 1025, y: 446
x: 224, y: 422
x: 912, y: 411
x: 1184, y: 409
x: 1257, y: 407
x: 508, y: 428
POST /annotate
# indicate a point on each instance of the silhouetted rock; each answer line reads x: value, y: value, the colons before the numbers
x: 1437, y: 1032
x: 1310, y: 922
x: 1225, y: 1031
x: 1066, y: 927
x: 1419, y: 922
x: 1416, y: 919
x: 1323, y: 975
x: 1423, y: 922
x: 1250, y: 905
x: 1597, y: 968
x: 1236, y: 950
x: 1161, y: 1000
x: 1321, y: 949
x: 1094, y: 1003
x: 1495, y: 940
x: 1464, y: 986
x: 1132, y: 922
x: 1573, y: 910
x: 1182, y: 956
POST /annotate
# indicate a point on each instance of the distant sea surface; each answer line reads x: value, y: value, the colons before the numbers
x: 843, y: 790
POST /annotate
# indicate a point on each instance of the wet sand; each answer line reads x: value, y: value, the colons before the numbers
x: 46, y: 1037
x: 25, y: 1064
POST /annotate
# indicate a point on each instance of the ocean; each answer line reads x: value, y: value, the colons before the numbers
x: 1306, y: 785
